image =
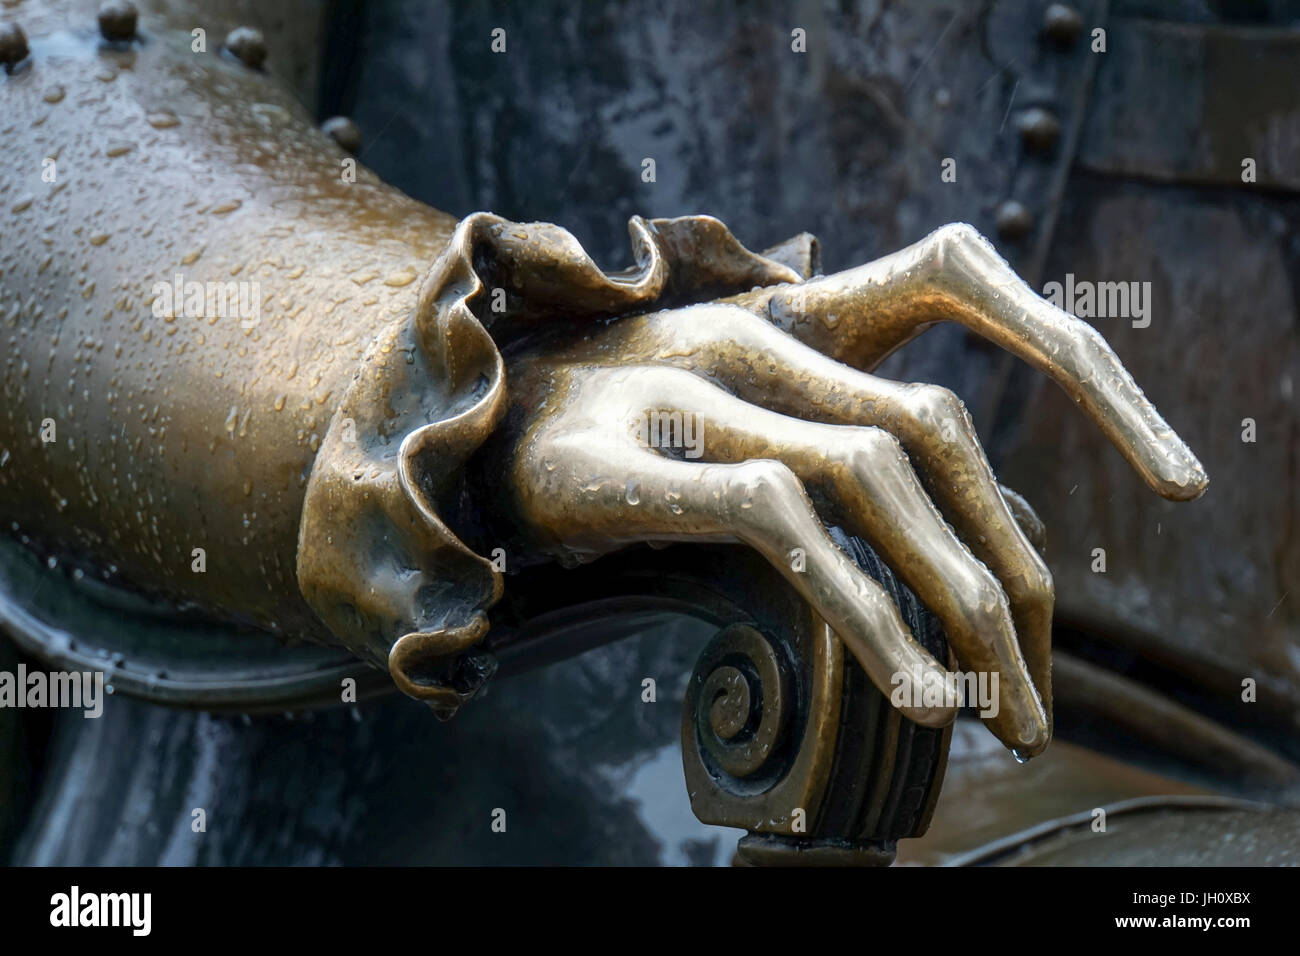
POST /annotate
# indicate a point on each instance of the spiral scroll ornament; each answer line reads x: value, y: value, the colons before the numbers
x: 783, y: 735
x: 743, y: 707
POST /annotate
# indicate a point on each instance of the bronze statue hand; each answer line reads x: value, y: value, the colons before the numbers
x: 300, y: 469
x: 712, y: 423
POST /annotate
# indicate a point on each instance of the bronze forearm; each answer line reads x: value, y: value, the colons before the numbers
x: 195, y: 429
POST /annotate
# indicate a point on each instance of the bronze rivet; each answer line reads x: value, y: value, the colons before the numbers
x: 344, y: 132
x: 117, y: 19
x: 13, y: 44
x: 248, y: 46
x: 1062, y: 23
x: 1013, y: 220
x: 1039, y: 129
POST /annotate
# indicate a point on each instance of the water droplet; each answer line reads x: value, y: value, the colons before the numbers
x: 400, y: 279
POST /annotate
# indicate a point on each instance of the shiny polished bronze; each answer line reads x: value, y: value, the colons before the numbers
x: 315, y: 446
x: 784, y: 737
x: 770, y: 381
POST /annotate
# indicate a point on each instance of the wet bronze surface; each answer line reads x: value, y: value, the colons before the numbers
x: 1201, y: 598
x: 315, y: 452
x: 583, y: 484
x: 188, y: 432
x: 995, y: 812
x: 1145, y: 183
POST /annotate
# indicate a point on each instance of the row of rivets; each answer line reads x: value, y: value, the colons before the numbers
x: 117, y: 24
x: 1039, y: 128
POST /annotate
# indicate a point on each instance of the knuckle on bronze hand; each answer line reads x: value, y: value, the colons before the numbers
x: 956, y: 235
x: 986, y: 618
x: 873, y: 446
x: 932, y: 407
x: 1033, y: 587
x: 763, y: 488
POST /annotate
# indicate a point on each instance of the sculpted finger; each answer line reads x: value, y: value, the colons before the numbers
x: 762, y: 365
x: 593, y: 490
x: 864, y: 479
x: 955, y: 274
